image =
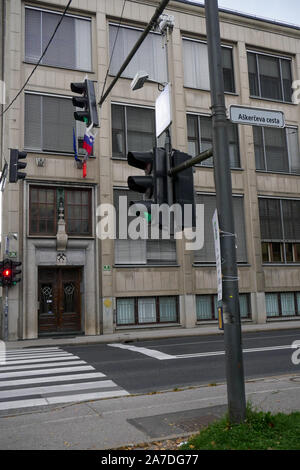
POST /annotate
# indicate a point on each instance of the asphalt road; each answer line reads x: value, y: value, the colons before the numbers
x: 151, y: 366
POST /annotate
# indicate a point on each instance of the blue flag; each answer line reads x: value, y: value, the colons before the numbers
x: 75, y: 146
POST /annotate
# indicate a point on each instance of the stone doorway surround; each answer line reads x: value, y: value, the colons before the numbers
x: 43, y: 252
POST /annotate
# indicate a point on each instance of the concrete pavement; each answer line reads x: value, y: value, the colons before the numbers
x: 147, y: 334
x: 112, y: 423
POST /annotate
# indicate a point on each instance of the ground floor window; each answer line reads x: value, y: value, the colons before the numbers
x: 283, y: 304
x: 146, y: 310
x: 207, y: 307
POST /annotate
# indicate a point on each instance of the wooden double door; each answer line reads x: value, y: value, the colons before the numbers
x: 59, y: 300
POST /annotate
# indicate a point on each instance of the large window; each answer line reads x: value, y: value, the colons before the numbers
x: 277, y: 149
x: 280, y: 230
x: 196, y: 69
x: 49, y: 124
x: 283, y: 304
x: 145, y: 310
x: 140, y: 251
x: 150, y: 58
x: 207, y: 307
x: 270, y: 77
x: 44, y: 205
x: 207, y: 254
x: 71, y: 45
x: 133, y: 129
x: 200, y: 139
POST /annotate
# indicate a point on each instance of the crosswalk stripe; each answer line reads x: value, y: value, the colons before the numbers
x: 20, y: 350
x: 46, y: 359
x: 32, y: 355
x: 46, y: 372
x: 39, y: 366
x: 56, y: 378
x: 57, y: 388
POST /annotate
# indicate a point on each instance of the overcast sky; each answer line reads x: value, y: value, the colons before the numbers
x: 278, y: 10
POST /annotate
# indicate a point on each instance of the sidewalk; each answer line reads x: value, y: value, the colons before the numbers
x: 148, y: 334
x: 118, y: 422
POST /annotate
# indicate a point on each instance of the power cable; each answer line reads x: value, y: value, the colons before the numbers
x: 39, y: 61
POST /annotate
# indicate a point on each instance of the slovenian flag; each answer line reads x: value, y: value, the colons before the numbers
x: 88, y: 142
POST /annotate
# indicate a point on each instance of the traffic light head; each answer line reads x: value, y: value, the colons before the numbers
x: 141, y: 184
x: 6, y: 273
x: 183, y: 189
x: 87, y: 102
x: 15, y: 165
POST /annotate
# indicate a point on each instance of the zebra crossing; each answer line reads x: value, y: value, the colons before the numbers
x: 48, y: 376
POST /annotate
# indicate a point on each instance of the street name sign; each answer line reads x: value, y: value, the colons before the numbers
x: 256, y: 116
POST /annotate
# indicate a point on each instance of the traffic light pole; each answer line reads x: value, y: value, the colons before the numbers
x: 223, y: 184
x: 189, y: 163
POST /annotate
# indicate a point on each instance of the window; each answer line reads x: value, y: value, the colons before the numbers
x: 49, y: 124
x: 71, y: 46
x: 151, y: 56
x: 200, y: 139
x: 148, y: 251
x: 207, y: 254
x: 207, y: 307
x: 196, y: 68
x: 146, y: 310
x: 44, y: 206
x: 270, y: 77
x: 133, y: 129
x: 283, y: 304
x: 280, y: 230
x: 277, y: 149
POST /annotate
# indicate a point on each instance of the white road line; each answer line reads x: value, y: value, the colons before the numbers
x: 8, y: 360
x: 9, y: 405
x: 25, y: 350
x: 147, y: 352
x: 7, y: 375
x: 56, y: 378
x: 46, y: 359
x: 23, y: 392
x: 39, y: 366
x: 164, y: 357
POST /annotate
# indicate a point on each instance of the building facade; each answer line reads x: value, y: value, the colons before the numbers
x: 74, y: 282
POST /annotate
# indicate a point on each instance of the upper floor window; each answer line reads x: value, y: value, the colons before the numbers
x: 49, y: 123
x: 44, y: 203
x: 151, y: 56
x: 270, y: 77
x: 133, y: 129
x: 196, y: 68
x: 277, y: 149
x: 280, y: 230
x: 71, y: 45
x: 200, y: 139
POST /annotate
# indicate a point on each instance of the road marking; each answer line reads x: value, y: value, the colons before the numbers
x: 55, y: 378
x: 164, y: 357
x: 39, y: 366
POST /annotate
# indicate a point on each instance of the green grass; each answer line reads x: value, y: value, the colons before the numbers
x: 260, y: 431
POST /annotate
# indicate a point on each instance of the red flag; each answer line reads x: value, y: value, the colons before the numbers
x: 84, y: 169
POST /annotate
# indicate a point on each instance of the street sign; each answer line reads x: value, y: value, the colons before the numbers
x: 216, y: 231
x: 256, y: 116
x: 163, y: 113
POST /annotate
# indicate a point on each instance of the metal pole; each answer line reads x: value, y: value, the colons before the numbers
x: 5, y: 329
x: 231, y: 309
x: 148, y: 28
x: 193, y: 161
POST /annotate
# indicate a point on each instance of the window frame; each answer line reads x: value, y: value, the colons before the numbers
x: 223, y: 46
x: 269, y: 244
x: 279, y: 305
x: 199, y: 134
x: 76, y: 126
x: 214, y: 302
x: 288, y: 150
x: 56, y: 12
x: 157, y: 307
x: 275, y: 56
x: 125, y: 106
x: 56, y: 189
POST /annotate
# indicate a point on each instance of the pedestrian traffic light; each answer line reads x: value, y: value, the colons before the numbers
x: 15, y: 165
x: 15, y: 271
x: 183, y: 189
x: 154, y: 183
x: 87, y: 102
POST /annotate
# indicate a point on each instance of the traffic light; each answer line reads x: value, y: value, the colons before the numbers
x: 15, y: 271
x: 183, y: 189
x: 87, y: 102
x: 154, y: 184
x: 6, y: 273
x: 15, y: 165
